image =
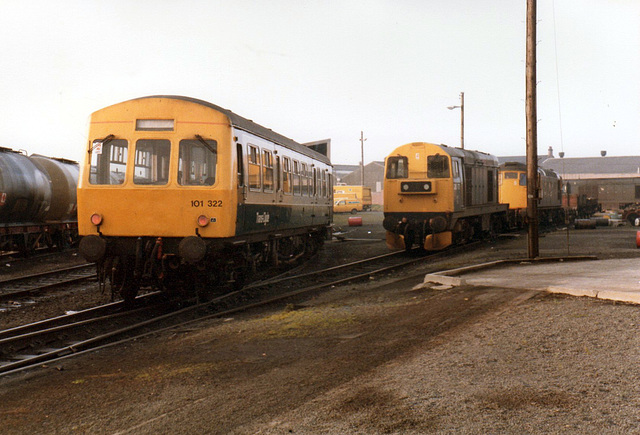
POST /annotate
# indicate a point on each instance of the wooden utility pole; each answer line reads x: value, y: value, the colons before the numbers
x: 362, y: 139
x: 532, y: 132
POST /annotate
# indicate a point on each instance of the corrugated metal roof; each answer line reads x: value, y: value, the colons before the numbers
x: 628, y: 165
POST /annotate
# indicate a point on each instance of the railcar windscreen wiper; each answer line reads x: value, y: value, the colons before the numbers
x: 102, y: 142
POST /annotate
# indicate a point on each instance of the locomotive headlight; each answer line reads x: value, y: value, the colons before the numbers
x: 416, y: 187
x: 203, y: 221
x: 96, y: 219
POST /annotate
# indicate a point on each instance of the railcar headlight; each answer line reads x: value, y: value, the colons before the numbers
x: 96, y: 219
x: 203, y: 221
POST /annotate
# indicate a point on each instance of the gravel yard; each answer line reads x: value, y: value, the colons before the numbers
x: 371, y: 357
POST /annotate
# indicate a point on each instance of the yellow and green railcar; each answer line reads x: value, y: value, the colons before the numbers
x: 177, y: 190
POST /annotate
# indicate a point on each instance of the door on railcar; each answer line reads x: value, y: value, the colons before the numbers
x: 241, y: 186
x: 458, y: 179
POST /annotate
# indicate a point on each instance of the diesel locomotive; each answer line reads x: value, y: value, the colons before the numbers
x: 436, y: 195
x: 512, y: 180
x: 37, y: 202
x: 178, y: 193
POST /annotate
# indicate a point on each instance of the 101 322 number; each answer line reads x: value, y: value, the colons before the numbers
x: 208, y: 203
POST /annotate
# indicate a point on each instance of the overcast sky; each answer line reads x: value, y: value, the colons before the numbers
x: 312, y: 70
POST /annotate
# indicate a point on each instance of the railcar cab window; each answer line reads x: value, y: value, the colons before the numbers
x: 108, y: 161
x: 437, y: 166
x: 397, y: 167
x: 197, y: 162
x: 152, y: 161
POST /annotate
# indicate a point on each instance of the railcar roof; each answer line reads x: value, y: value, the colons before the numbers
x: 251, y: 127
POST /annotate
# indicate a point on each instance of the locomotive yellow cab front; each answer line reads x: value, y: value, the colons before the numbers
x: 435, y: 196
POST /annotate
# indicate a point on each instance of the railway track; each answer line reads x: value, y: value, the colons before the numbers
x: 51, y: 340
x: 32, y: 284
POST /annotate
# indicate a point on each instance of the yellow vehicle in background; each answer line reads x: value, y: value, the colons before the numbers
x: 347, y: 205
x: 358, y: 197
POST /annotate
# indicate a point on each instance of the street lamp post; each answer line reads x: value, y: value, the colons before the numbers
x: 362, y: 139
x: 461, y: 107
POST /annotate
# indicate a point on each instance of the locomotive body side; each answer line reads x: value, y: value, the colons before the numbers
x: 436, y: 195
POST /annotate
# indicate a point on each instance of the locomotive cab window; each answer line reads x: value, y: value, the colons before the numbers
x: 152, y: 161
x: 437, y: 166
x: 197, y: 162
x: 108, y: 161
x: 523, y: 179
x: 510, y: 175
x: 397, y: 167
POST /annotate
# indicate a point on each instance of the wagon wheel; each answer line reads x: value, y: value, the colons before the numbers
x: 128, y: 292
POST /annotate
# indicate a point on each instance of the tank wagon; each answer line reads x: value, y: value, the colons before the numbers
x: 176, y: 192
x: 512, y: 190
x: 37, y: 201
x: 436, y: 195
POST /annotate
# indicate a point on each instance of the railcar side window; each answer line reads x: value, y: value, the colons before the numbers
x: 296, y: 178
x: 437, y: 166
x: 254, y: 168
x: 305, y: 180
x: 197, y: 162
x: 108, y: 161
x: 286, y: 175
x: 397, y: 167
x: 267, y: 170
x: 325, y: 177
x: 152, y: 161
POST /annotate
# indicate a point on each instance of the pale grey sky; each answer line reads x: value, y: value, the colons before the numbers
x: 328, y: 69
